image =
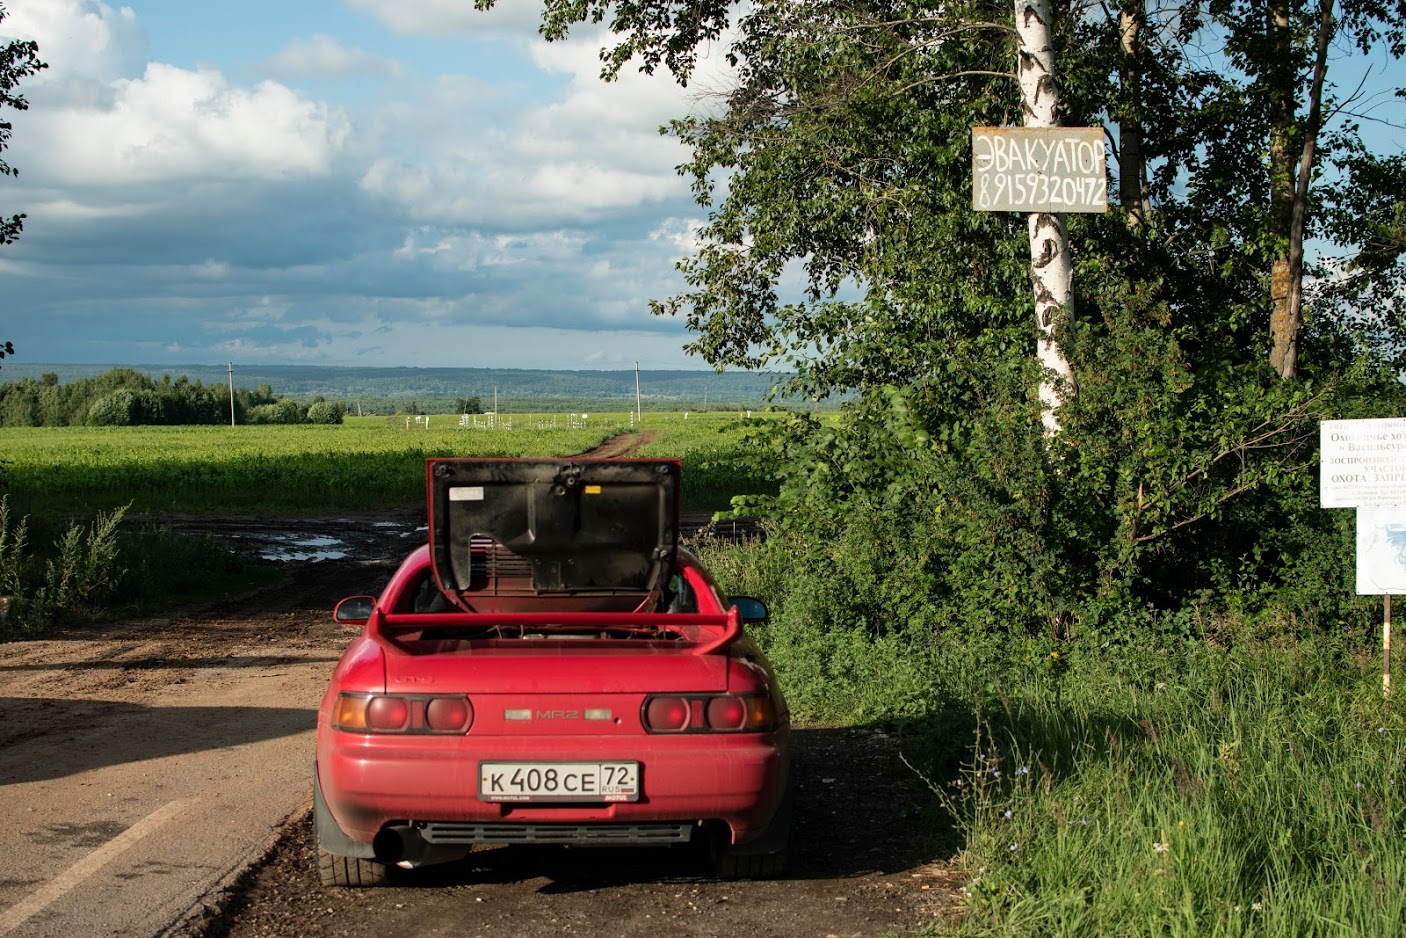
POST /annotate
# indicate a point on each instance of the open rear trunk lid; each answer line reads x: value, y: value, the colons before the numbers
x: 506, y: 532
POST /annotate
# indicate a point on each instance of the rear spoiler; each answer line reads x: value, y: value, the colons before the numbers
x: 393, y: 624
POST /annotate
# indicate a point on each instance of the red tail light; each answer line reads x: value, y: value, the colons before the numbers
x: 727, y: 713
x: 387, y: 714
x: 722, y: 713
x: 402, y: 713
x: 666, y: 714
x: 448, y: 714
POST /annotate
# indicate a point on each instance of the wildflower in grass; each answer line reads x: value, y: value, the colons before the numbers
x: 995, y: 773
x: 1257, y: 907
x: 1160, y: 846
x: 1023, y: 770
x: 1015, y: 845
x: 1007, y: 815
x: 1381, y: 730
x: 1084, y: 820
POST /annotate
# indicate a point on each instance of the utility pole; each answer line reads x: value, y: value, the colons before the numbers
x: 638, y: 415
x: 231, y: 394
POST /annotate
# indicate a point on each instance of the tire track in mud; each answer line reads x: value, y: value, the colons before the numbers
x: 624, y: 444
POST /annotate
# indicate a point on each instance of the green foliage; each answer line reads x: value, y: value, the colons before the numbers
x: 361, y: 464
x: 18, y: 59
x: 80, y: 573
x: 1184, y: 472
x: 92, y: 569
x: 326, y: 412
x: 123, y: 397
x: 1257, y: 790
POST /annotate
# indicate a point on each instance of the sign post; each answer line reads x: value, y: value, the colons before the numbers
x: 1039, y: 169
x: 1362, y: 465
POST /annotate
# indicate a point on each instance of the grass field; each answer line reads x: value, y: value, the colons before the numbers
x: 1252, y: 784
x: 368, y: 462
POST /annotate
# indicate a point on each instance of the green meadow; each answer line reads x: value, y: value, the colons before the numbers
x: 1242, y: 776
x: 366, y: 463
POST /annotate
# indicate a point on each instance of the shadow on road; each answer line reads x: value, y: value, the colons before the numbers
x: 858, y: 813
x: 48, y: 737
x: 149, y: 664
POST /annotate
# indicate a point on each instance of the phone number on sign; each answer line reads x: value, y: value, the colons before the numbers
x: 1038, y: 192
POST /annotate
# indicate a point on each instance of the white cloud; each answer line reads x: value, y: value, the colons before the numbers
x: 82, y: 40
x: 679, y: 233
x: 516, y: 218
x: 438, y: 17
x: 173, y: 124
x: 323, y: 56
x: 490, y: 192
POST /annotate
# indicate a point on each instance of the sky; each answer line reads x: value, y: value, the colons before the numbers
x: 348, y: 182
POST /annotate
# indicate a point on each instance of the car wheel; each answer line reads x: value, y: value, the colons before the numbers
x: 335, y: 870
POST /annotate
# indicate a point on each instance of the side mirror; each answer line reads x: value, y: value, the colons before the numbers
x: 753, y: 611
x: 354, y: 610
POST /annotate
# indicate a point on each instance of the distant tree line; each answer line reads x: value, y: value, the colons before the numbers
x: 123, y: 397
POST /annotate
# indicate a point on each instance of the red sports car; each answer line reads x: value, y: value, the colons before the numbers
x: 552, y: 668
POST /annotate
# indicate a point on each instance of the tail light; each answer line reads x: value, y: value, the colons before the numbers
x: 402, y: 713
x: 721, y: 713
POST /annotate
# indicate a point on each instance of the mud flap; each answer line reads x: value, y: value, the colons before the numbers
x: 330, y: 836
x: 778, y: 832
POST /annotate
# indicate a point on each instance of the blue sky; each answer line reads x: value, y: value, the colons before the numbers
x: 377, y: 182
x: 351, y: 182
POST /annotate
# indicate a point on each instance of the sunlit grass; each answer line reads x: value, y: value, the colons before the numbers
x: 1256, y: 791
x: 369, y: 462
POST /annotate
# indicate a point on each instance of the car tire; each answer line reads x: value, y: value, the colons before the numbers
x: 353, y: 872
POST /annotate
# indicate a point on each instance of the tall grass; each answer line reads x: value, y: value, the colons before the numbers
x: 79, y: 573
x: 1241, y: 785
x: 717, y: 462
x: 1253, y: 791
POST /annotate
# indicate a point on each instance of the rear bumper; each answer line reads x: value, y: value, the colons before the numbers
x: 368, y: 782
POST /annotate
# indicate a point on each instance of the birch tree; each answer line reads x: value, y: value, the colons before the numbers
x: 1051, y: 271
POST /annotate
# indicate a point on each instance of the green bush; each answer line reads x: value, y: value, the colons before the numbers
x: 118, y: 409
x: 326, y: 412
x: 79, y: 575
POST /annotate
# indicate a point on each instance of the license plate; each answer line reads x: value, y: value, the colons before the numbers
x: 558, y: 781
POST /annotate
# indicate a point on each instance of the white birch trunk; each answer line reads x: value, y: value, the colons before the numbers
x: 1051, y: 270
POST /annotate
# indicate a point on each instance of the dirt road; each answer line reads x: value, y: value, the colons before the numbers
x: 155, y: 782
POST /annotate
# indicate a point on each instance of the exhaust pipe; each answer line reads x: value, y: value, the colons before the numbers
x: 400, y: 843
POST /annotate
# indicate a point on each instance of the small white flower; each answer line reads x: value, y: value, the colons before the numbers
x: 1257, y: 907
x: 1160, y: 846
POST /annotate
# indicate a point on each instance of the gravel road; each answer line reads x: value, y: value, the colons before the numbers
x: 155, y: 777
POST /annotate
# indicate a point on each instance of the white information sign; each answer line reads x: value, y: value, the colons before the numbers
x: 1039, y: 169
x: 1363, y: 463
x: 1381, y: 551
